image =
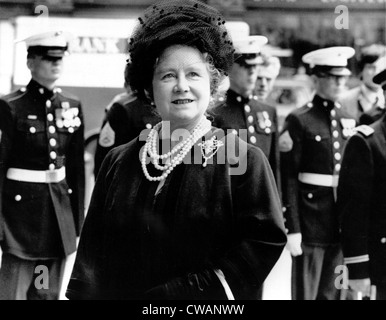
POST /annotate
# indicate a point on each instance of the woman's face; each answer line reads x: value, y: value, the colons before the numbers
x: 181, y: 86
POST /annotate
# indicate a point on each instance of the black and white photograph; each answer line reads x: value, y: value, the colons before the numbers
x: 190, y: 155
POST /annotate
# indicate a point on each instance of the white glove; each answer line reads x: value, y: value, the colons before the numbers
x: 294, y: 244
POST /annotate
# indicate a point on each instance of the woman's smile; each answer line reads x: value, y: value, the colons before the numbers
x: 182, y: 101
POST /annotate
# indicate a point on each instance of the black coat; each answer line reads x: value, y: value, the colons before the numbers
x: 124, y: 120
x: 362, y: 203
x: 43, y: 130
x: 319, y: 132
x: 208, y: 219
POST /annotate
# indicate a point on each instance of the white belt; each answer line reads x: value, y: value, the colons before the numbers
x: 37, y: 176
x: 324, y: 180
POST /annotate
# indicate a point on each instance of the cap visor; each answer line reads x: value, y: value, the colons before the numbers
x: 340, y: 72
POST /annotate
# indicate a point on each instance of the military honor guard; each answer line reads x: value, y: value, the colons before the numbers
x: 242, y: 113
x: 314, y: 137
x: 366, y: 102
x: 42, y: 175
x: 362, y: 206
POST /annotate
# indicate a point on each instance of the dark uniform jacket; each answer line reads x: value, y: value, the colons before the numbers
x: 319, y: 131
x: 362, y: 203
x: 258, y: 119
x: 125, y: 119
x: 202, y: 219
x: 44, y: 130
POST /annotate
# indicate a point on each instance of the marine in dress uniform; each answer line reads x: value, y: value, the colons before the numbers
x: 362, y: 206
x: 314, y: 137
x: 124, y: 120
x: 366, y: 102
x: 242, y: 114
x: 42, y: 175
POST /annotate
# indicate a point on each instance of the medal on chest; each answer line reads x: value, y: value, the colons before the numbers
x: 348, y: 127
x: 67, y: 117
x: 264, y: 121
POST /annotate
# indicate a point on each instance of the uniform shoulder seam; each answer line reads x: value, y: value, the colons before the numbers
x: 14, y: 96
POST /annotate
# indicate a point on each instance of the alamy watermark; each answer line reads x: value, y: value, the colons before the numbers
x: 232, y: 152
x: 42, y: 280
x: 341, y: 281
x: 342, y: 20
x: 42, y: 11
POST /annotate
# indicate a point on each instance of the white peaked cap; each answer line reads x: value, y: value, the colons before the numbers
x: 329, y: 57
x: 250, y: 44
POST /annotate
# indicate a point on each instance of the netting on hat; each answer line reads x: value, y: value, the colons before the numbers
x: 174, y: 22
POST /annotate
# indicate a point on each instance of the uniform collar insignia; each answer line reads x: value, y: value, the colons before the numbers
x: 235, y: 96
x: 326, y: 104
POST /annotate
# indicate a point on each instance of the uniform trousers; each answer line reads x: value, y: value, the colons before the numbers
x: 314, y: 272
x: 381, y: 292
x: 22, y: 279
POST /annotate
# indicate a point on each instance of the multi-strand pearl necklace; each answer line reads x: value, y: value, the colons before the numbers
x: 176, y: 154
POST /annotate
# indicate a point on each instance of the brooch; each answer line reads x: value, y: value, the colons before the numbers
x: 209, y: 148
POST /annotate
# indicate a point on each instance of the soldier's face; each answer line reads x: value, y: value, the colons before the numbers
x: 46, y: 69
x: 330, y: 86
x: 243, y: 79
x: 264, y: 85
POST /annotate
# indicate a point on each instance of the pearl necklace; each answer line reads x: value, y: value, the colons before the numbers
x: 182, y: 149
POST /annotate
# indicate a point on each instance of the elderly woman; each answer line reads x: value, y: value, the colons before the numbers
x: 180, y: 222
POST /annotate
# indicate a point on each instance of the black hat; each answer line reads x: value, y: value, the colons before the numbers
x: 177, y: 22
